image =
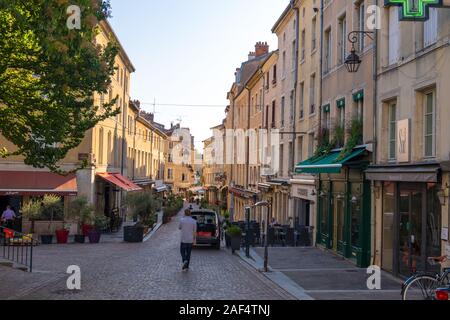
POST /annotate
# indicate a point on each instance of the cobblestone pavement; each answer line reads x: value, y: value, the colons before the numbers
x: 150, y: 270
x: 325, y: 276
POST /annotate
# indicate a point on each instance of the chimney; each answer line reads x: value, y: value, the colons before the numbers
x: 251, y: 56
x: 261, y: 48
x: 237, y: 75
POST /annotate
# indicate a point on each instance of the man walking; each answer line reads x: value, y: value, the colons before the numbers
x: 188, y: 227
x: 8, y: 217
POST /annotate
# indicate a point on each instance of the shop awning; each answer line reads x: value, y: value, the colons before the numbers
x: 36, y: 183
x: 161, y: 189
x: 120, y: 181
x: 329, y: 163
x: 406, y: 173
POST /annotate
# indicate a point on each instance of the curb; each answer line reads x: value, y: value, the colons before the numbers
x: 276, y: 277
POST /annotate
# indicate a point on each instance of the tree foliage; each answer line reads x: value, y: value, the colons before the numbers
x: 48, y: 77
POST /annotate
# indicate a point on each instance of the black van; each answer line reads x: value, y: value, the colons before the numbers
x: 208, y: 227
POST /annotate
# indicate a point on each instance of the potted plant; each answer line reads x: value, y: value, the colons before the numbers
x: 32, y: 211
x: 100, y: 223
x: 80, y: 211
x: 235, y: 235
x: 144, y: 205
x: 62, y: 235
x: 51, y: 208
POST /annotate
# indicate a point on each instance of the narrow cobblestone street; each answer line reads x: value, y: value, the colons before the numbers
x: 151, y: 270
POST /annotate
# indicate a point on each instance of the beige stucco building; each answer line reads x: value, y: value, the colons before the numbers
x: 411, y: 174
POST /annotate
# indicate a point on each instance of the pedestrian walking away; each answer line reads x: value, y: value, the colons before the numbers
x: 188, y: 227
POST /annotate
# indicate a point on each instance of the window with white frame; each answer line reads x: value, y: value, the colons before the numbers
x: 429, y: 124
x: 360, y: 13
x: 342, y: 44
x: 392, y: 130
x: 394, y: 35
x: 430, y: 28
x: 313, y: 34
x: 327, y: 51
x: 302, y: 100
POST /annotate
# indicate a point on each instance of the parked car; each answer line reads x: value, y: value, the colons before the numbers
x: 208, y: 227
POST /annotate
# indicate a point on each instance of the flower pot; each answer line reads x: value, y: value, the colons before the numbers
x: 85, y: 228
x: 94, y: 236
x: 227, y: 240
x: 62, y: 236
x: 80, y: 238
x: 133, y: 234
x: 46, y: 238
x: 235, y: 243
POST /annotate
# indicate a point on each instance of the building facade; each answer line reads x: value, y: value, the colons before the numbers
x: 411, y: 173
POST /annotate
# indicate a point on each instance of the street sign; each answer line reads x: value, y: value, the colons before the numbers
x: 416, y: 10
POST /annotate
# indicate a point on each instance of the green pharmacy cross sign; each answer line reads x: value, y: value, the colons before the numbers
x: 414, y: 10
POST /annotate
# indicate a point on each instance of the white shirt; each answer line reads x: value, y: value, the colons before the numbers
x: 188, y: 227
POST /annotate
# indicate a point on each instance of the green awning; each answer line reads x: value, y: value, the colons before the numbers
x: 329, y: 163
x: 358, y: 96
x: 340, y: 103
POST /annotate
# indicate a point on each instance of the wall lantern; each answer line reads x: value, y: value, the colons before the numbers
x: 353, y: 61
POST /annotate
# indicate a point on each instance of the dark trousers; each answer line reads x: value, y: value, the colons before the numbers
x: 186, y: 249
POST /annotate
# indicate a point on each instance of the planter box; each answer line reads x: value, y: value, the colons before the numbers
x: 133, y: 234
x: 62, y: 236
x: 80, y: 238
x: 94, y: 236
x: 235, y: 243
x: 46, y: 238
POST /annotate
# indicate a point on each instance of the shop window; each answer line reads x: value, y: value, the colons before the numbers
x: 356, y: 211
x: 388, y: 225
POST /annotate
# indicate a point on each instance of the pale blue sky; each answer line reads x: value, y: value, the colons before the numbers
x: 186, y: 51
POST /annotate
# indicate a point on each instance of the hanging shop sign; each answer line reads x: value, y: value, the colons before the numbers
x: 416, y: 10
x: 403, y: 140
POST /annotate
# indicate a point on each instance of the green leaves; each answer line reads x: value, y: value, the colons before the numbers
x: 48, y: 76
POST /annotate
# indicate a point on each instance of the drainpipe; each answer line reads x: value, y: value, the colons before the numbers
x: 232, y: 160
x: 321, y: 70
x: 375, y: 141
x: 294, y: 135
x: 247, y: 138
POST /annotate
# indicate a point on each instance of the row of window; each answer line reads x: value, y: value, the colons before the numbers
x: 183, y: 176
x: 428, y: 123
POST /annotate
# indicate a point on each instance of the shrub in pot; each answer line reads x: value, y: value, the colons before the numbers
x: 62, y: 235
x: 235, y: 235
x: 80, y: 211
x: 143, y: 206
x: 100, y: 223
x: 51, y: 208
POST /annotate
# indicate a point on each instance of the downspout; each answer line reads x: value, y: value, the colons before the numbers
x: 375, y: 143
x: 321, y: 70
x: 294, y: 124
x: 247, y: 138
x: 232, y: 160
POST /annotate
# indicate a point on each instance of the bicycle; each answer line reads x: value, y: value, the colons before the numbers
x: 423, y: 285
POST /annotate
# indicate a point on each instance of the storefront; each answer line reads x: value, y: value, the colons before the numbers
x: 344, y: 203
x: 18, y: 187
x: 110, y: 193
x: 303, y: 198
x: 411, y: 215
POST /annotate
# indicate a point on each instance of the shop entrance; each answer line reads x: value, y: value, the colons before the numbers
x: 411, y: 256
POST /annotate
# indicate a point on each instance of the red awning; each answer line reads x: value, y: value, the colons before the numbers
x: 120, y: 181
x: 36, y: 183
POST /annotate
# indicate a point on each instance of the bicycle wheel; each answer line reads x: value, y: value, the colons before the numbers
x: 420, y: 288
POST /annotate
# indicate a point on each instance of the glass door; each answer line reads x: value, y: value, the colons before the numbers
x: 410, y: 229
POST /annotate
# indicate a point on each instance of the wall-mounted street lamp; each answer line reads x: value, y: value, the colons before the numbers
x: 353, y: 61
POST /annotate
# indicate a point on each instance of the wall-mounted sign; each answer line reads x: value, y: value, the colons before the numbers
x: 403, y: 140
x: 416, y: 10
x: 444, y: 234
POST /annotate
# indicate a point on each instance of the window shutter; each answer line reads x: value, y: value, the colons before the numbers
x: 394, y: 37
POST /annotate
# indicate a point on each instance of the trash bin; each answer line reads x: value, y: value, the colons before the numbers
x: 133, y: 234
